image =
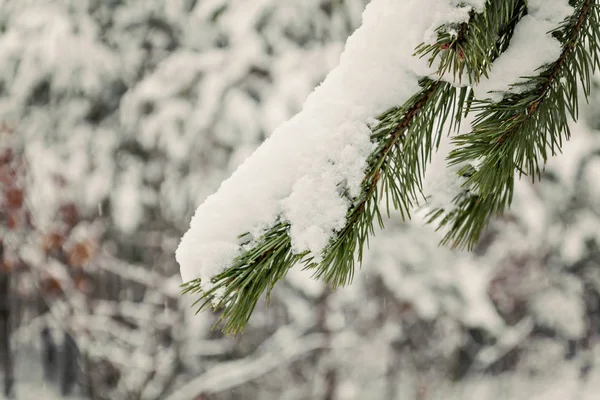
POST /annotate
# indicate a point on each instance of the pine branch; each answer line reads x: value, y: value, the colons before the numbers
x: 469, y: 48
x: 238, y: 288
x: 516, y: 134
x: 404, y: 138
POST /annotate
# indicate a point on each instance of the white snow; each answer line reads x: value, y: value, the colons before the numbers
x: 126, y: 200
x: 91, y: 62
x: 298, y: 173
x: 562, y: 310
x: 531, y: 47
x: 457, y: 13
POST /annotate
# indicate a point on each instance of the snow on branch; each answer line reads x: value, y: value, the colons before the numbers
x: 312, y: 170
x: 297, y: 174
x: 311, y: 193
x: 527, y: 119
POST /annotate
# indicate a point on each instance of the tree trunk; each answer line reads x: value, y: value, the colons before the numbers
x: 5, y: 330
x: 49, y: 353
x: 70, y: 366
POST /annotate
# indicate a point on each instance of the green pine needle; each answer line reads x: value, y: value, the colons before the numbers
x: 516, y: 134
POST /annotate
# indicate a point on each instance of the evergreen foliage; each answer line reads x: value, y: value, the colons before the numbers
x: 518, y: 134
x: 509, y: 138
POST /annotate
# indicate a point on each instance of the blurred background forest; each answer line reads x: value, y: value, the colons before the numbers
x: 118, y: 117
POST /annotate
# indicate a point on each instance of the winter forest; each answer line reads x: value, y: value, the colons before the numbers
x: 119, y: 117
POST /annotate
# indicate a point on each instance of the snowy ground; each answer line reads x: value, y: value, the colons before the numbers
x: 30, y: 384
x: 34, y: 391
x: 563, y: 383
